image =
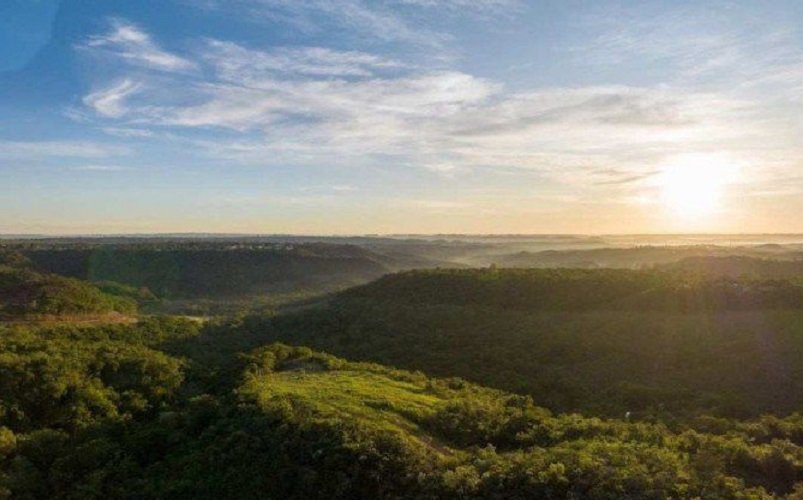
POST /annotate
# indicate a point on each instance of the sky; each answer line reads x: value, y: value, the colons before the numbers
x: 401, y: 116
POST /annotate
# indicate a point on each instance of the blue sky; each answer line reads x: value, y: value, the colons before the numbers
x: 400, y: 116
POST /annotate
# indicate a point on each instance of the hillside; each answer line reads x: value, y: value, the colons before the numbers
x: 193, y: 270
x: 305, y: 425
x: 579, y: 289
x: 643, y: 256
x: 28, y: 295
x: 601, y: 342
x: 741, y: 266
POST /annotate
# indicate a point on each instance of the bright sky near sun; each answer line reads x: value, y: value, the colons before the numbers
x: 401, y: 116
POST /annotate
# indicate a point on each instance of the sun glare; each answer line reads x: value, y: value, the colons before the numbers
x: 693, y: 186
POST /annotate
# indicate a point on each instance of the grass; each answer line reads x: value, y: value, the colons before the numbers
x: 380, y: 399
x: 71, y: 319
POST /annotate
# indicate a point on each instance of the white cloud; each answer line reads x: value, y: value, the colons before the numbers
x: 133, y: 45
x: 128, y: 133
x: 234, y: 62
x: 111, y: 101
x: 56, y: 149
x: 384, y: 20
x: 701, y: 45
x: 435, y: 205
x: 370, y: 19
x: 101, y: 168
x: 257, y: 89
x: 470, y: 5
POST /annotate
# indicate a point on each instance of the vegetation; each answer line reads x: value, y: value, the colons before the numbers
x: 67, y: 379
x: 742, y: 266
x: 643, y: 256
x: 580, y: 290
x: 206, y: 277
x: 301, y: 424
x: 682, y: 381
x: 604, y: 342
x: 25, y: 294
x: 210, y: 270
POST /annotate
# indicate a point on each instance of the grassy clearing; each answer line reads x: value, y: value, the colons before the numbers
x: 379, y: 401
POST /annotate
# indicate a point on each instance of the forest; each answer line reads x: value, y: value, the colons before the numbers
x: 26, y: 295
x: 679, y: 380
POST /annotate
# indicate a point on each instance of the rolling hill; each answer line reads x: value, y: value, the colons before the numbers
x: 602, y: 342
x: 28, y: 295
x: 210, y: 269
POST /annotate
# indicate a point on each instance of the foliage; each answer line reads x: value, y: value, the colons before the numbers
x: 741, y: 266
x: 580, y: 290
x: 206, y: 270
x: 554, y: 335
x: 302, y: 424
x: 172, y: 408
x: 69, y: 378
x: 27, y: 294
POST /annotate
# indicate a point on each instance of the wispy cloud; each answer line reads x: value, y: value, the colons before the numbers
x: 373, y: 19
x: 435, y: 205
x: 235, y: 62
x: 58, y: 149
x: 128, y: 133
x: 377, y: 20
x: 471, y: 5
x: 111, y: 101
x: 615, y: 177
x: 701, y: 44
x: 318, y: 105
x: 336, y: 188
x: 328, y: 104
x: 129, y: 42
x: 101, y: 168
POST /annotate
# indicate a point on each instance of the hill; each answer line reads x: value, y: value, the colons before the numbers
x: 638, y: 257
x: 740, y: 266
x: 210, y: 269
x: 602, y: 342
x: 28, y: 295
x: 208, y: 277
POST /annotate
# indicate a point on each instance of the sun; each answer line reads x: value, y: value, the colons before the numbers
x: 693, y: 186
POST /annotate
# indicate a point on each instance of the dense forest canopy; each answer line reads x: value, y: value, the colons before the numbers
x: 604, y: 342
x: 25, y: 294
x: 679, y: 380
x: 742, y: 266
x: 640, y: 257
x: 579, y: 289
x: 285, y: 422
x: 209, y: 271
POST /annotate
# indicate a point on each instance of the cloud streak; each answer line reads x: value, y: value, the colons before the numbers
x: 130, y: 43
x: 234, y: 62
x: 58, y: 149
x: 110, y: 102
